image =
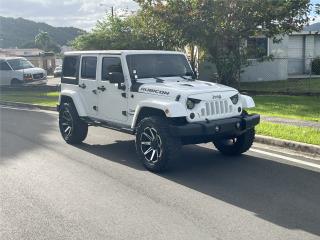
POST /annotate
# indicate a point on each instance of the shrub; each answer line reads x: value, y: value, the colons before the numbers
x: 315, y: 66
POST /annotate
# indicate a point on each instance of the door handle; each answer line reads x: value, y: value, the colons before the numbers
x: 82, y: 85
x: 102, y: 88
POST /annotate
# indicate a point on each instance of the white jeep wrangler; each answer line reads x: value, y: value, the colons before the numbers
x: 153, y: 95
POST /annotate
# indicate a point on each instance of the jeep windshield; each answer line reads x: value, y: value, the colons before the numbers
x: 158, y: 65
x: 19, y: 63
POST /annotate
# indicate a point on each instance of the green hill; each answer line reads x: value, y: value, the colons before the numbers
x: 19, y: 32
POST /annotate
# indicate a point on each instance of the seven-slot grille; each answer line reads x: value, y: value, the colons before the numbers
x: 214, y: 108
x: 38, y: 76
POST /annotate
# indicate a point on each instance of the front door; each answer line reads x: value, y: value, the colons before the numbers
x: 112, y: 100
x: 88, y: 84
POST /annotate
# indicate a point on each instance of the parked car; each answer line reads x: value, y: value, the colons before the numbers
x: 153, y: 95
x: 57, y: 71
x: 19, y: 71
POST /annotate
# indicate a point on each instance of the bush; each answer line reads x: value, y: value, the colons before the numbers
x: 315, y: 67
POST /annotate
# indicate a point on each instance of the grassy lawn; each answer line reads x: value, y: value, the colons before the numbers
x: 287, y: 132
x: 32, y: 97
x: 297, y: 107
x: 290, y: 86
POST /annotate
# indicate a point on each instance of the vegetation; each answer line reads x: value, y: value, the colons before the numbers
x: 295, y: 107
x: 134, y: 32
x: 287, y: 132
x: 31, y: 97
x: 19, y: 32
x: 284, y: 86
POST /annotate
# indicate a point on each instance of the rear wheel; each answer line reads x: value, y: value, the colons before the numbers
x: 237, y: 145
x: 72, y: 128
x: 154, y: 145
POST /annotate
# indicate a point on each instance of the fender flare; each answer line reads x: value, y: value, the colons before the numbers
x: 247, y: 102
x: 171, y: 109
x: 76, y: 100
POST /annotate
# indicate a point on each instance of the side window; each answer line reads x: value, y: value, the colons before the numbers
x: 70, y: 70
x: 110, y: 64
x: 4, y: 66
x: 89, y: 68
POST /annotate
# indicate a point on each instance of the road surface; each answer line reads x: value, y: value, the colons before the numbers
x: 99, y: 190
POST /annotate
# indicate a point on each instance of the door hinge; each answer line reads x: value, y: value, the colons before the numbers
x: 124, y: 113
x: 95, y: 108
x: 124, y: 95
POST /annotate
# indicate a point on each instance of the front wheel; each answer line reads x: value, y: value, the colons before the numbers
x: 154, y: 145
x: 72, y: 128
x: 237, y: 145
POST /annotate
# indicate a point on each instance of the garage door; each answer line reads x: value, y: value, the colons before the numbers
x: 296, y: 55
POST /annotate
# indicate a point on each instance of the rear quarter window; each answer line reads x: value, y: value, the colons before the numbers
x: 70, y: 70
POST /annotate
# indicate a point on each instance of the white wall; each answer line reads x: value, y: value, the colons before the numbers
x: 269, y: 70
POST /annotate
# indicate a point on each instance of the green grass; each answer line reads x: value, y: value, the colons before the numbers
x: 296, y: 107
x: 31, y: 97
x: 287, y: 132
x: 290, y: 86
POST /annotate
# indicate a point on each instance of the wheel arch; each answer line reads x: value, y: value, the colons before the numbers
x: 71, y: 96
x: 157, y: 108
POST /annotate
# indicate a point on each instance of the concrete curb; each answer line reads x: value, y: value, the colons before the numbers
x: 296, y: 146
x: 301, y: 147
x: 27, y: 105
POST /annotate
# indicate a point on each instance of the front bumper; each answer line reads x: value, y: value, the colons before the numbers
x: 219, y: 128
x: 42, y: 81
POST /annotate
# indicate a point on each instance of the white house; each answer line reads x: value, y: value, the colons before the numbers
x: 291, y: 57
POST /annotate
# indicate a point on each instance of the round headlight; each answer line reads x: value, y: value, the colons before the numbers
x: 235, y: 99
x: 190, y: 104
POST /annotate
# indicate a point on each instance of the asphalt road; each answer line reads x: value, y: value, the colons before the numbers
x: 99, y: 190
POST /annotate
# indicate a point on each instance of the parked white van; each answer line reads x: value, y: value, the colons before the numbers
x: 18, y: 71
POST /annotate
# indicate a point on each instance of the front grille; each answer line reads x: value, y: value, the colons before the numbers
x: 38, y: 76
x: 215, y: 108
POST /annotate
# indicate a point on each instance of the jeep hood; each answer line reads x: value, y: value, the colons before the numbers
x: 174, y: 86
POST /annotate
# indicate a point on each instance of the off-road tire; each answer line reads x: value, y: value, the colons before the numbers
x: 15, y: 82
x: 170, y: 146
x: 236, y: 146
x: 79, y: 129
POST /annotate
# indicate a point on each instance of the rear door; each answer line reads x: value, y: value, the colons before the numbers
x: 88, y: 84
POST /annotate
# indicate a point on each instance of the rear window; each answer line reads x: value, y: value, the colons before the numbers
x: 89, y: 68
x: 70, y: 70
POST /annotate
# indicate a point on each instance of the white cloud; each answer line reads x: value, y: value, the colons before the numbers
x: 78, y: 13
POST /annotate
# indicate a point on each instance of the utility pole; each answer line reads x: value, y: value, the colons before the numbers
x: 112, y: 12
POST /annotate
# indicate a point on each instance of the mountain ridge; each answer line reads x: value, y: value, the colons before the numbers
x: 18, y: 32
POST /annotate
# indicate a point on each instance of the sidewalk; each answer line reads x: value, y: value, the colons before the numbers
x: 293, y: 122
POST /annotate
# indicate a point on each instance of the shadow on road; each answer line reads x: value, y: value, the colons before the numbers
x: 284, y: 195
x: 22, y: 133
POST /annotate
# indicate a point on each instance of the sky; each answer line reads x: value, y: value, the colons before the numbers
x: 64, y: 13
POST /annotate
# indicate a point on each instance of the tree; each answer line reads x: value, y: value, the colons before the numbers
x: 139, y: 31
x: 221, y: 26
x: 42, y: 40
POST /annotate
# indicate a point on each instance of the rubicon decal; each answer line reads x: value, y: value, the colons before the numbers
x: 155, y: 91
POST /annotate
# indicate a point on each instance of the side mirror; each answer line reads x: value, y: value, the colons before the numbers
x: 192, y: 74
x: 116, y: 77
